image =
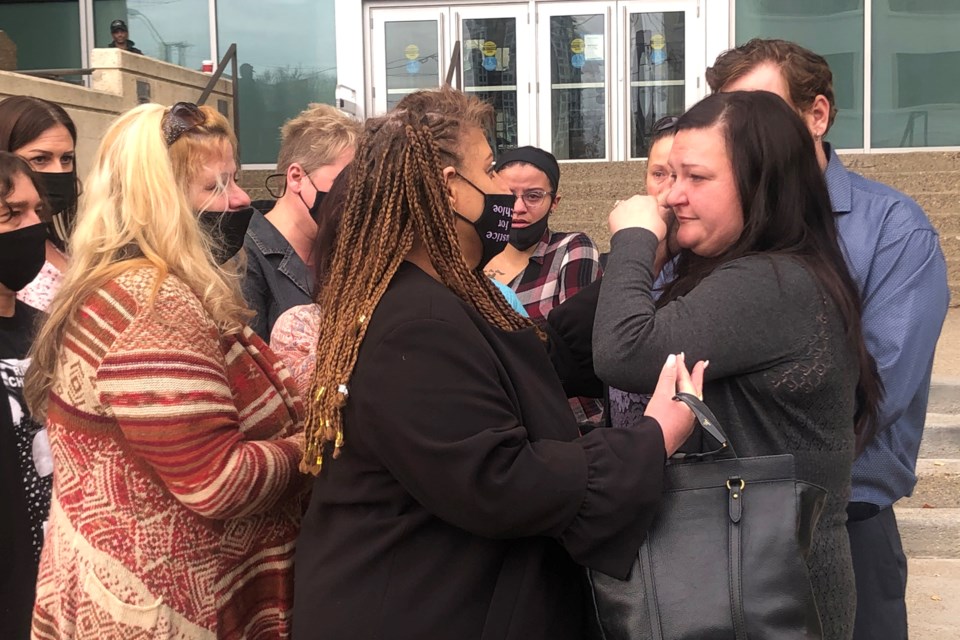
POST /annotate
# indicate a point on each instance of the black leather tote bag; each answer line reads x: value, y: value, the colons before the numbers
x: 726, y: 555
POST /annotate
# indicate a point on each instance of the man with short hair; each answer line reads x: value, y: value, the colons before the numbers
x: 895, y: 258
x: 120, y: 35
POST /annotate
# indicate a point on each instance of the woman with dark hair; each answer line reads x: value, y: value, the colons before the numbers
x: 25, y: 460
x: 43, y: 134
x: 760, y: 288
x: 455, y: 496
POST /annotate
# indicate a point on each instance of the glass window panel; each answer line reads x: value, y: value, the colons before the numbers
x: 657, y: 73
x: 412, y: 57
x: 279, y: 75
x: 47, y: 34
x: 916, y: 86
x: 175, y: 31
x: 832, y: 28
x: 578, y: 92
x: 490, y: 72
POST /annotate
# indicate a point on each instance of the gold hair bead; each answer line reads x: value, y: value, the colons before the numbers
x: 319, y: 393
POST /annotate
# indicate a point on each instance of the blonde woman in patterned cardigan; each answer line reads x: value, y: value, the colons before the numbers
x: 175, y: 431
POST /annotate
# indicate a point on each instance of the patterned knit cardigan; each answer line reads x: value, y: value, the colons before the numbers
x: 176, y: 494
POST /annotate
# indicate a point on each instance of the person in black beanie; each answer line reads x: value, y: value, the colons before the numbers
x: 542, y: 266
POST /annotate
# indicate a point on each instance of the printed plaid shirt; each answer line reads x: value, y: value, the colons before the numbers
x: 561, y: 265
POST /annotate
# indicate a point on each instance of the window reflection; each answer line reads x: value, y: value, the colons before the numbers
x: 281, y: 72
x: 916, y: 93
x: 657, y: 73
x: 34, y: 26
x: 490, y: 72
x: 175, y: 31
x: 832, y: 28
x: 412, y: 57
x: 578, y: 87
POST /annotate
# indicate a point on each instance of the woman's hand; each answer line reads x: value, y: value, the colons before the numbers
x: 675, y: 418
x: 641, y: 212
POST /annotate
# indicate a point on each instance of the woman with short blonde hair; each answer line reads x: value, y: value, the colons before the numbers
x: 316, y: 146
x: 174, y: 428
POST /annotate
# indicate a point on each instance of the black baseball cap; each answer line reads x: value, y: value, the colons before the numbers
x: 118, y: 25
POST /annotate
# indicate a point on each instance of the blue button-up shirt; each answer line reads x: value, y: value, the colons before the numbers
x: 894, y: 256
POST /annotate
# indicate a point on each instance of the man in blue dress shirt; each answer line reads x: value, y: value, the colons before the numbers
x: 895, y: 258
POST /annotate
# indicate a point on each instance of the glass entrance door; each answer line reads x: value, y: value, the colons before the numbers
x: 663, y: 53
x: 585, y: 80
x: 576, y: 79
x: 408, y: 53
x: 497, y: 61
x: 411, y: 48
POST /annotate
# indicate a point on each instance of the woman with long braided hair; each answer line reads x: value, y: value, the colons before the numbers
x: 454, y: 497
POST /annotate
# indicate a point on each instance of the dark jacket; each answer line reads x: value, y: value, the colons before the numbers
x: 463, y: 498
x: 130, y: 47
x: 276, y: 277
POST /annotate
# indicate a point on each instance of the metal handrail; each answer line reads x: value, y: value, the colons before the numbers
x: 454, y: 68
x: 54, y: 73
x: 231, y: 57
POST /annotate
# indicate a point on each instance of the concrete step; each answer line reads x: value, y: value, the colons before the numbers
x: 933, y: 598
x: 920, y: 181
x: 944, y: 395
x: 938, y: 485
x: 941, y: 436
x: 929, y: 533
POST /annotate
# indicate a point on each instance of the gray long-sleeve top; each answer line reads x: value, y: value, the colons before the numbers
x: 782, y: 376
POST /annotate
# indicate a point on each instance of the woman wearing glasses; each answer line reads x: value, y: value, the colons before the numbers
x: 174, y: 428
x: 542, y: 266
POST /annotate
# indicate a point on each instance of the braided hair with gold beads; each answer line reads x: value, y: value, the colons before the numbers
x: 397, y: 194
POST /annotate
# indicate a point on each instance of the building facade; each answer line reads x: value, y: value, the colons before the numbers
x: 584, y: 79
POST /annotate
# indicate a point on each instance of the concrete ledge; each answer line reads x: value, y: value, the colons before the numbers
x: 119, y: 81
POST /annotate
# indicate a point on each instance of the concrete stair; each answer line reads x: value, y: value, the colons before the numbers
x: 929, y: 521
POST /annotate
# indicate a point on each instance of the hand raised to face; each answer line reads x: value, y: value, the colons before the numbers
x: 642, y: 212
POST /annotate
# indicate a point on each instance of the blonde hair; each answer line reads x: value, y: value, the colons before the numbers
x: 198, y: 146
x: 132, y: 215
x: 315, y: 137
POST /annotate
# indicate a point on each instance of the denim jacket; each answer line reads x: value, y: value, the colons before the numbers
x: 276, y: 277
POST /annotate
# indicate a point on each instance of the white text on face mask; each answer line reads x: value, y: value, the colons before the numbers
x: 502, y: 210
x: 497, y: 237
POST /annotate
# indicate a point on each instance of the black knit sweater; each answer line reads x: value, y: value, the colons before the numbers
x: 782, y: 377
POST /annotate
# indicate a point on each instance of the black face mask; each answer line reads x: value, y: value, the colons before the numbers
x: 523, y: 238
x: 314, y: 209
x: 22, y: 253
x: 493, y: 225
x: 61, y: 191
x: 227, y: 229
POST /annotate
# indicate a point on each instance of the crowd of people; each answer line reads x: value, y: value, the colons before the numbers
x: 396, y: 402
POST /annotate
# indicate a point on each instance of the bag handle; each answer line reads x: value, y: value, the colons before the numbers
x: 708, y: 422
